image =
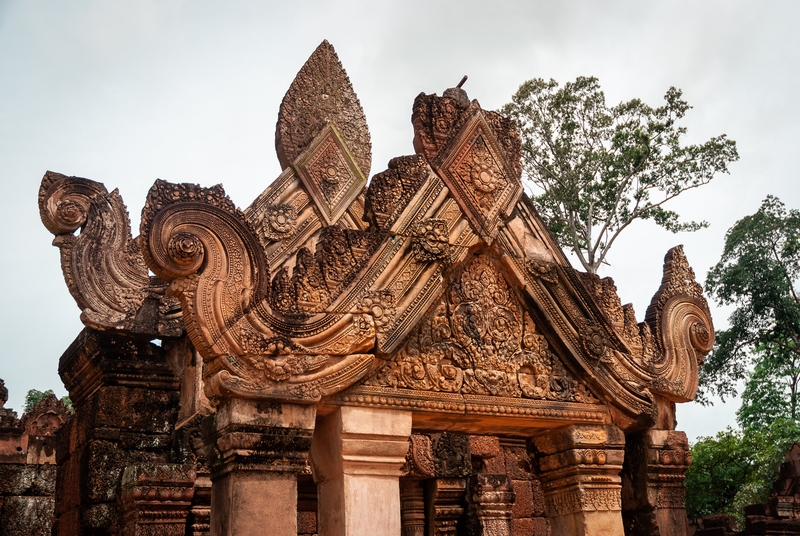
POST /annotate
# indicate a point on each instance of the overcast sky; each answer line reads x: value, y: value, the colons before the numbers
x: 188, y: 91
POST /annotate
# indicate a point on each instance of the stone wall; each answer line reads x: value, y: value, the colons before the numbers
x: 27, y: 466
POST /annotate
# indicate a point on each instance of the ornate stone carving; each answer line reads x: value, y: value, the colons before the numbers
x: 480, y: 341
x: 102, y: 264
x: 579, y: 469
x: 376, y: 312
x: 431, y: 240
x: 278, y: 222
x: 542, y: 269
x: 652, y: 479
x: 45, y: 417
x: 481, y: 181
x: 491, y: 498
x: 321, y: 94
x: 195, y: 238
x: 155, y: 499
x: 446, y: 500
x: 679, y: 317
x: 330, y: 175
x: 451, y: 455
x: 390, y: 191
x: 412, y: 510
x: 419, y: 459
x: 476, y: 153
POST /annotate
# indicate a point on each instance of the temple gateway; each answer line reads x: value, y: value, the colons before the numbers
x: 411, y: 356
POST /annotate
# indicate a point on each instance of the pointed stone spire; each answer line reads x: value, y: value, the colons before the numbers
x: 321, y: 93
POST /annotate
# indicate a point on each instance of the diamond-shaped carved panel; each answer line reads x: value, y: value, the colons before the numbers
x: 480, y: 179
x: 330, y: 174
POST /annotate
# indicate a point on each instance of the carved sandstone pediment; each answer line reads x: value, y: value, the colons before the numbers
x: 437, y: 288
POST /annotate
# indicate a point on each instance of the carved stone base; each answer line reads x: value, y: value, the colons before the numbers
x: 491, y: 498
x: 579, y: 468
x: 356, y: 456
x: 155, y: 499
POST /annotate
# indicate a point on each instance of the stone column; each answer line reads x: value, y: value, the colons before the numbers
x: 579, y: 467
x: 257, y: 450
x: 653, y: 494
x: 445, y: 498
x: 357, y: 455
x: 491, y: 499
x: 412, y: 509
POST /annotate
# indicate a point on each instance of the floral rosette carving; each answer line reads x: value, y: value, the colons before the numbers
x: 430, y: 240
x: 376, y: 312
x: 593, y: 340
x: 278, y: 222
x: 546, y: 271
x: 482, y: 172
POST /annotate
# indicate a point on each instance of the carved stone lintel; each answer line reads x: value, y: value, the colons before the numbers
x: 445, y: 500
x: 155, y: 499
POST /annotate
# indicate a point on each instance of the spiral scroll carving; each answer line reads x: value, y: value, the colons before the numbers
x: 196, y: 239
x: 102, y: 264
x: 680, y: 318
x: 687, y: 336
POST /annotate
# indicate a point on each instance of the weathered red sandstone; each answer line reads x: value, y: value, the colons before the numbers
x: 411, y: 357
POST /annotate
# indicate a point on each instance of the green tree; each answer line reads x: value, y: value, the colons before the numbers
x: 770, y: 392
x: 758, y: 273
x: 596, y: 169
x: 34, y: 396
x: 736, y: 468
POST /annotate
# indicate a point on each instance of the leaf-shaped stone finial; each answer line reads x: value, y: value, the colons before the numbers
x: 321, y: 93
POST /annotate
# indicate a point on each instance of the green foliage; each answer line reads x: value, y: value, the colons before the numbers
x: 770, y: 392
x: 599, y: 168
x: 758, y: 272
x: 736, y: 468
x: 34, y: 396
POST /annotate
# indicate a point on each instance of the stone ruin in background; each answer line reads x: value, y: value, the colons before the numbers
x: 411, y: 357
x: 27, y: 465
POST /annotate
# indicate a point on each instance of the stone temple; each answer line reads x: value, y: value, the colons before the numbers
x: 410, y: 357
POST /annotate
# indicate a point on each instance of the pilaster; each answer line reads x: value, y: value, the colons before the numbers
x: 356, y: 456
x: 126, y: 404
x: 579, y: 467
x: 653, y: 496
x: 256, y: 449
